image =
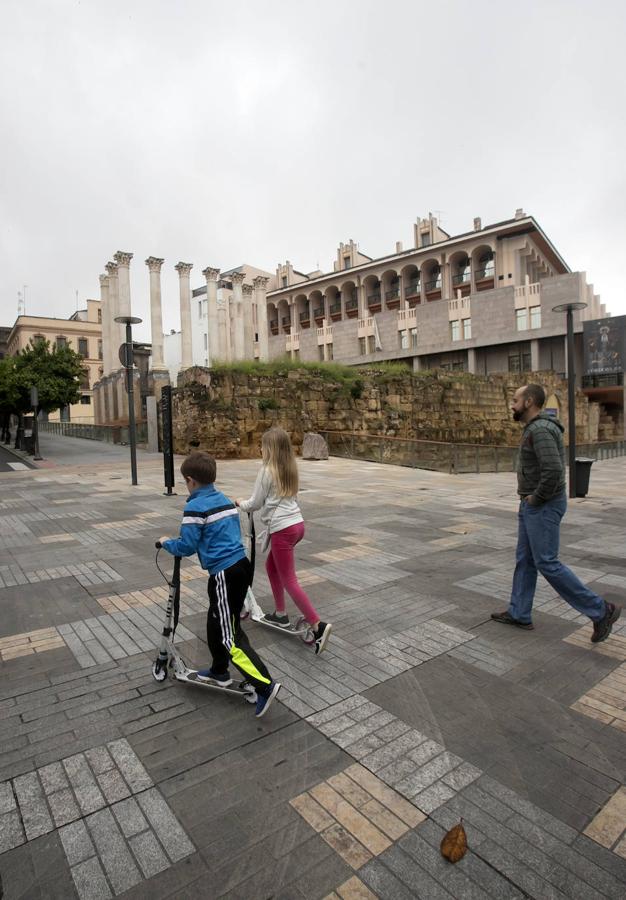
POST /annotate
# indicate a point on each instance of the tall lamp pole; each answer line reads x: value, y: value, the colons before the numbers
x: 126, y: 358
x: 571, y: 388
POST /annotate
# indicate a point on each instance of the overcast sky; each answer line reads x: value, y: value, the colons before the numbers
x: 265, y: 130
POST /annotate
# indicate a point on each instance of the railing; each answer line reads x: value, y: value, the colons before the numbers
x: 392, y: 294
x: 607, y: 379
x: 434, y: 285
x: 318, y: 313
x: 286, y: 320
x: 487, y: 272
x: 110, y: 434
x: 413, y: 288
x: 305, y: 316
x: 444, y: 457
x: 335, y: 308
x: 462, y: 278
x: 352, y: 303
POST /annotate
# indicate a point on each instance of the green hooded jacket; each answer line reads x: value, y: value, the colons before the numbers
x: 541, y: 460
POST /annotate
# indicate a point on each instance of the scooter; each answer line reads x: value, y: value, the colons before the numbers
x: 169, y: 661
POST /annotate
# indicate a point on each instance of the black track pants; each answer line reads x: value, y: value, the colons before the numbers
x: 226, y: 638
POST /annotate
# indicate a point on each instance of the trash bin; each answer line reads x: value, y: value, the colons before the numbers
x: 583, y: 471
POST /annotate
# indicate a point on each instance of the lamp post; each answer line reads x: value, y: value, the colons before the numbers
x: 126, y: 358
x: 571, y: 388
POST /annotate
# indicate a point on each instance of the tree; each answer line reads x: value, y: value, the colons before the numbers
x: 57, y: 374
x: 10, y: 393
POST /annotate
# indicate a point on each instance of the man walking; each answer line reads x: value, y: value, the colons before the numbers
x: 541, y: 487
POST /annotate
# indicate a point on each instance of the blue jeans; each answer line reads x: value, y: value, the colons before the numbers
x: 538, y: 551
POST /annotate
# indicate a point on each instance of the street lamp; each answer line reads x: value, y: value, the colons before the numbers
x: 126, y: 358
x: 571, y: 387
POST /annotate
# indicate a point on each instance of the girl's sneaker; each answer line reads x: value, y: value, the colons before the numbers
x: 263, y: 703
x: 322, y: 633
x: 222, y: 679
x: 277, y: 619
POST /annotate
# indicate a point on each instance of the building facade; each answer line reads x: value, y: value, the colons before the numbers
x: 83, y: 333
x: 5, y: 331
x: 478, y: 302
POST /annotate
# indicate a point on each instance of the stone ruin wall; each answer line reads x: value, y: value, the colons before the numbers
x: 226, y: 413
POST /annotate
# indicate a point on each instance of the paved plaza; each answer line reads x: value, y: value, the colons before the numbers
x: 421, y: 712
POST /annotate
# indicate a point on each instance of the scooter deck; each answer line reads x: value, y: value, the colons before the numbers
x: 191, y: 677
x: 290, y: 629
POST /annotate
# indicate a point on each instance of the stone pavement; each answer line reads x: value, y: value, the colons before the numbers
x: 422, y: 710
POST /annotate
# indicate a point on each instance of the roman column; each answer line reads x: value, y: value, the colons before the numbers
x: 106, y: 325
x: 184, y: 270
x: 215, y: 350
x: 156, y: 318
x: 114, y: 328
x: 248, y: 324
x: 238, y: 330
x: 260, y: 289
x: 123, y: 273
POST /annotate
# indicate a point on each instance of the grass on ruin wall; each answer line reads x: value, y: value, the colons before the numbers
x: 332, y: 371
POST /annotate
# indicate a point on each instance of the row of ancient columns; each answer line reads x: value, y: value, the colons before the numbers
x: 231, y: 328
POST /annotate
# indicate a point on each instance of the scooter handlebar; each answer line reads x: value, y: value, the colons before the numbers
x: 158, y: 544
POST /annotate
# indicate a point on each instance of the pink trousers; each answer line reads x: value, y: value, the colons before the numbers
x: 281, y: 571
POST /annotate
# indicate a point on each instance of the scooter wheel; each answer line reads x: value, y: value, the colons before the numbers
x: 308, y: 637
x: 159, y: 671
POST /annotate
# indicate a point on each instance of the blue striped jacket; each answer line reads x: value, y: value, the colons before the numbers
x: 210, y: 528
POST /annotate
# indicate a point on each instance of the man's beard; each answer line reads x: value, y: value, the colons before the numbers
x: 517, y: 415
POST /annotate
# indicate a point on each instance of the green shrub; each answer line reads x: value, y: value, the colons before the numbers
x: 267, y: 403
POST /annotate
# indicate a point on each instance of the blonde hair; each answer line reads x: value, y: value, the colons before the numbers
x: 280, y: 461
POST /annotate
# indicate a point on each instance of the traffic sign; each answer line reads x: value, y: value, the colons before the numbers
x: 126, y: 355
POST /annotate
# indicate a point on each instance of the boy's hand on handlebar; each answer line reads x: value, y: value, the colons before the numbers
x: 163, y: 539
x: 238, y: 502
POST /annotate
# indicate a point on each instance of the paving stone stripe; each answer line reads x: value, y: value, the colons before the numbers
x: 62, y: 792
x: 606, y: 701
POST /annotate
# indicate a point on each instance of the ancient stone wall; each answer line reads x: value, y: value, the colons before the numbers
x: 227, y: 412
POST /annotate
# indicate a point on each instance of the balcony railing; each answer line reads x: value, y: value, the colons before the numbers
x: 319, y: 313
x: 274, y: 326
x: 392, y: 294
x: 608, y: 379
x: 412, y: 288
x: 286, y: 320
x: 352, y: 303
x: 434, y: 285
x: 487, y: 272
x: 462, y: 278
x: 305, y: 316
x: 335, y: 308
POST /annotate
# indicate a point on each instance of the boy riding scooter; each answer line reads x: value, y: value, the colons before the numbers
x: 210, y: 528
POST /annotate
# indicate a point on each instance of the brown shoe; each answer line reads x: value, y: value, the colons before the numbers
x: 507, y: 619
x: 603, y: 628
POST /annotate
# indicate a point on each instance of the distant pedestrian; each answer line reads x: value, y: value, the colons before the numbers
x: 541, y: 487
x: 275, y: 493
x: 5, y: 428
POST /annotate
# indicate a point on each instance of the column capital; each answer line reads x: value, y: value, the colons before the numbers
x: 111, y: 268
x: 238, y: 277
x: 247, y: 289
x: 260, y: 282
x: 122, y: 258
x: 210, y: 273
x: 183, y: 268
x: 154, y: 263
x: 104, y: 281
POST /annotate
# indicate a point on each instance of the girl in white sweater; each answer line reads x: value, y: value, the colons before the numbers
x: 274, y: 494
